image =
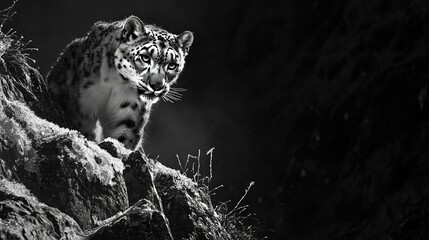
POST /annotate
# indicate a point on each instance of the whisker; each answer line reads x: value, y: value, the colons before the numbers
x: 166, y: 99
x: 172, y: 98
x: 174, y: 92
x: 178, y: 89
x: 175, y: 95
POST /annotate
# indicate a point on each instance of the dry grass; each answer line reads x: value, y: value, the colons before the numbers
x: 235, y: 220
x: 13, y: 50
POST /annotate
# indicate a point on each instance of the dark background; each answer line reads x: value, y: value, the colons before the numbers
x: 321, y: 103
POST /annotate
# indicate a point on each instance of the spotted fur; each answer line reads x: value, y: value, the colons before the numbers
x: 108, y: 80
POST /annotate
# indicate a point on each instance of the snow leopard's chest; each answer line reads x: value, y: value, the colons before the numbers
x: 110, y: 97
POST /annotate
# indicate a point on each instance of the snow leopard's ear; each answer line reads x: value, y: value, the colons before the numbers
x: 133, y: 28
x: 185, y: 40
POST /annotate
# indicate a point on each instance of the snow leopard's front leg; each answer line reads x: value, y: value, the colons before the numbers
x: 86, y: 124
x: 129, y: 125
x: 140, y: 133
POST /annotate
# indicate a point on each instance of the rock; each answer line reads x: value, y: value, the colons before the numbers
x: 187, y: 206
x: 114, y: 148
x: 139, y: 179
x: 141, y: 221
x: 63, y: 169
x: 22, y: 216
x: 25, y: 84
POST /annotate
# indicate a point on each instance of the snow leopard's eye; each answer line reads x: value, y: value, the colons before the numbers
x: 171, y: 66
x: 145, y: 58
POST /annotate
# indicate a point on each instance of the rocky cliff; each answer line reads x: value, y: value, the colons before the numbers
x: 55, y: 184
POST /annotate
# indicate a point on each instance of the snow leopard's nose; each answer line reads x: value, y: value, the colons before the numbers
x: 156, y: 81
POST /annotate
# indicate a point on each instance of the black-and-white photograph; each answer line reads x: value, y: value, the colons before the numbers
x: 214, y: 120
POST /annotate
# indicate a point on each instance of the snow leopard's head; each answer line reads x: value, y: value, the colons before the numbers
x: 151, y: 59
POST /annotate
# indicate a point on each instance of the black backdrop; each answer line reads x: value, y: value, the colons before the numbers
x: 312, y: 100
